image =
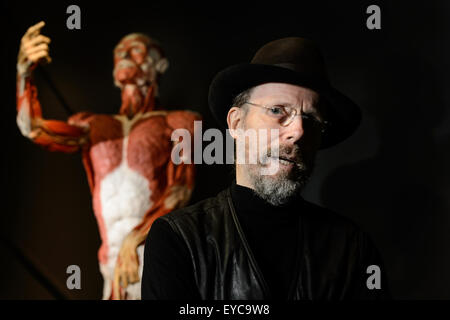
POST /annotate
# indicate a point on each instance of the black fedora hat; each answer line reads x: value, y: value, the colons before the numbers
x: 291, y: 60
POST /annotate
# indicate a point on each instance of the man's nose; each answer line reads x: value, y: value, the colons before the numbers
x: 293, y: 132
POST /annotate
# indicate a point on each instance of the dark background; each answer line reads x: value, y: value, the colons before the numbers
x: 391, y: 176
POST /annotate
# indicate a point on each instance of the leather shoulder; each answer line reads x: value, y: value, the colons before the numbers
x: 200, y: 217
x: 331, y: 238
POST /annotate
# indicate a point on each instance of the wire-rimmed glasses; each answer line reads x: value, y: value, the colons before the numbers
x: 285, y: 115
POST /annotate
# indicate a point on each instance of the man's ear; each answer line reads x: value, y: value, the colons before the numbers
x: 162, y: 65
x: 234, y: 117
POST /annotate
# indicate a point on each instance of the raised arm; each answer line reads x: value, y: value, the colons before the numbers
x: 180, y: 183
x: 53, y: 135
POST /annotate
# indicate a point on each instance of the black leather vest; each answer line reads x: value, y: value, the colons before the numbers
x: 333, y: 254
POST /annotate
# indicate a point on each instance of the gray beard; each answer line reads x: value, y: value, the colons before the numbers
x: 280, y: 189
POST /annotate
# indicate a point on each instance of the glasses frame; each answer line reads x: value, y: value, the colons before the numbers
x: 291, y: 115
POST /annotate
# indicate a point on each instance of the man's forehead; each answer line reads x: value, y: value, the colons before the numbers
x: 284, y: 91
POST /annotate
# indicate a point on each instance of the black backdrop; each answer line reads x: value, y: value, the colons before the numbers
x: 391, y: 177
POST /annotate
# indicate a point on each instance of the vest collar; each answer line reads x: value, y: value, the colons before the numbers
x: 259, y: 275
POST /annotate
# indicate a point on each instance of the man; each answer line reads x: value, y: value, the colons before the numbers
x: 259, y: 239
x: 126, y: 155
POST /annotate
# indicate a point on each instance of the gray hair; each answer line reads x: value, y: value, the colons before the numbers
x: 242, y: 98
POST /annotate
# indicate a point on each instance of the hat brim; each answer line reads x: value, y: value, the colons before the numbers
x: 343, y: 115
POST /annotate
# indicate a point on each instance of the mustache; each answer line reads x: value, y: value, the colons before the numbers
x: 289, y: 153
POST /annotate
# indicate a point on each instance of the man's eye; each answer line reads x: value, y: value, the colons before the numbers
x: 277, y: 110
